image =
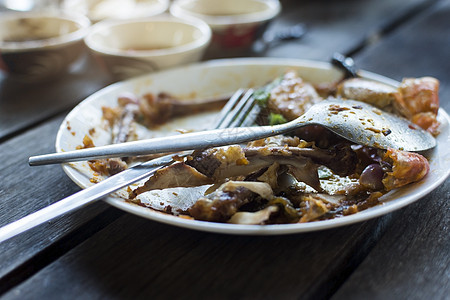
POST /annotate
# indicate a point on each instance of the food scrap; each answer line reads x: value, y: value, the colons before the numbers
x: 310, y: 175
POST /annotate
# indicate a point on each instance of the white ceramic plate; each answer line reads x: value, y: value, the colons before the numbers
x: 211, y: 79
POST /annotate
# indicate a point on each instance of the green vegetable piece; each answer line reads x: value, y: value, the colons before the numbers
x: 261, y: 96
x: 275, y: 119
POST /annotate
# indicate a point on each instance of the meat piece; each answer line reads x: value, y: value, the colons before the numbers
x: 122, y: 117
x: 216, y: 162
x: 219, y: 164
x: 427, y: 121
x: 159, y: 109
x: 319, y: 206
x: 407, y: 167
x: 156, y: 109
x: 420, y: 102
x: 419, y: 95
x: 175, y: 175
x: 292, y: 97
x: 227, y: 199
x: 203, y: 167
x: 375, y: 93
x: 341, y: 158
x: 109, y: 166
x: 313, y: 207
x: 325, y: 89
x: 229, y: 162
x: 123, y: 128
x: 121, y: 120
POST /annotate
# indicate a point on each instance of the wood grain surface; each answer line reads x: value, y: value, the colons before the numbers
x: 411, y: 261
x: 101, y: 253
x: 27, y: 104
x: 25, y: 190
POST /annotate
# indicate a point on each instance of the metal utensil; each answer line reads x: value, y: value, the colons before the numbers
x: 232, y: 114
x: 356, y: 121
x: 84, y: 197
x: 273, y: 38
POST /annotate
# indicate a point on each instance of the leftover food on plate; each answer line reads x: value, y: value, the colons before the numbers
x: 309, y: 175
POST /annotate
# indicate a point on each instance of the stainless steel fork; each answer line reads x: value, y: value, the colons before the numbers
x: 231, y: 115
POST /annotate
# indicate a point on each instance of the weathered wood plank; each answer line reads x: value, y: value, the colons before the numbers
x: 25, y: 104
x: 17, y: 176
x: 26, y: 189
x: 134, y: 258
x: 337, y: 26
x: 412, y: 259
x: 420, y: 49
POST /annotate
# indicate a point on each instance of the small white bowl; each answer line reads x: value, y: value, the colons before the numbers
x: 129, y: 48
x: 40, y: 44
x: 234, y: 23
x: 97, y: 10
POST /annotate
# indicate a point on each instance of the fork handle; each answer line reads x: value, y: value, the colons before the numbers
x: 84, y: 197
x: 189, y: 141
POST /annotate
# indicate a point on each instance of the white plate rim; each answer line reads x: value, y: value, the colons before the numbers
x: 275, y: 229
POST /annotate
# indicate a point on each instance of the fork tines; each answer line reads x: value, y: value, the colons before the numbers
x: 236, y: 110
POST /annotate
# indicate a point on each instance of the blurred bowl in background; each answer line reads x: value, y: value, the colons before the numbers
x: 97, y: 10
x: 39, y: 45
x: 128, y: 48
x: 234, y: 23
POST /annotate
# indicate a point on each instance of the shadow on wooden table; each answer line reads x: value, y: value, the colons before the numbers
x: 158, y: 260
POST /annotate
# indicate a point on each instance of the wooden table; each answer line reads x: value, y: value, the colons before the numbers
x: 100, y: 252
